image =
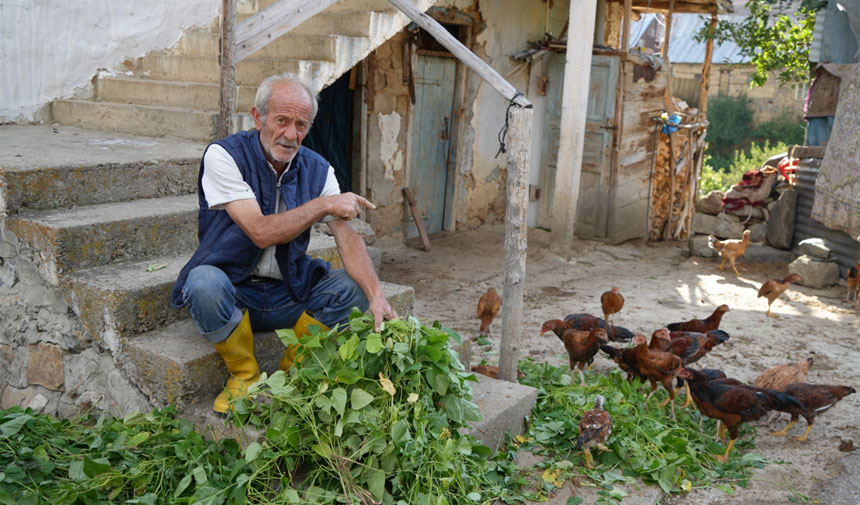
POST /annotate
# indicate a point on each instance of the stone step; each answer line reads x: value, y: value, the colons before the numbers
x: 82, y: 237
x: 249, y: 72
x: 176, y: 365
x: 148, y: 120
x: 159, y: 93
x: 118, y: 301
x: 89, y: 167
x: 295, y: 46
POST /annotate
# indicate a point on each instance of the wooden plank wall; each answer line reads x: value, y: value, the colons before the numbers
x: 643, y: 99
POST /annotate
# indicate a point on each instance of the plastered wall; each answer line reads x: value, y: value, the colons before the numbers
x: 51, y: 49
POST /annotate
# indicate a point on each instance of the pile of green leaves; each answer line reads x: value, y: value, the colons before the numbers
x: 645, y: 442
x: 368, y: 417
x: 142, y: 458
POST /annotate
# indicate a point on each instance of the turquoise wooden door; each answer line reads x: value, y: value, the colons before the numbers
x: 552, y: 135
x: 431, y: 141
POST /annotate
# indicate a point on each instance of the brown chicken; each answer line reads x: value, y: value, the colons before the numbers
x: 493, y: 371
x: 594, y: 429
x: 692, y: 346
x: 852, y: 283
x: 712, y: 322
x: 488, y: 308
x: 612, y: 301
x: 732, y: 404
x: 625, y: 359
x: 658, y: 367
x: 773, y: 288
x: 587, y: 322
x: 816, y: 398
x: 581, y: 346
x: 730, y: 250
x: 780, y: 376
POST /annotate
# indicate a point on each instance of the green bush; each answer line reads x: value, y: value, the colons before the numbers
x: 713, y: 178
x: 787, y: 127
x: 731, y: 125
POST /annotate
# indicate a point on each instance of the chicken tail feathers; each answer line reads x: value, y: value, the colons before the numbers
x: 720, y: 335
x: 674, y: 326
x: 619, y: 334
x: 613, y: 352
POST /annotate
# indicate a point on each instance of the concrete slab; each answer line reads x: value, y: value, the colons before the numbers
x: 504, y: 405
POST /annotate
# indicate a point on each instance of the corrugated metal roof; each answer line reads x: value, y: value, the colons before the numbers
x: 683, y: 47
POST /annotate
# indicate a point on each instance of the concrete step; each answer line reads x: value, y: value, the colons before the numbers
x: 296, y: 46
x: 118, y: 301
x: 249, y: 72
x: 85, y: 167
x: 176, y: 365
x: 82, y: 237
x: 148, y: 120
x: 190, y: 95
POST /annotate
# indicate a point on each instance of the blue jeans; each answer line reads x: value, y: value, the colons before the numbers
x: 216, y: 304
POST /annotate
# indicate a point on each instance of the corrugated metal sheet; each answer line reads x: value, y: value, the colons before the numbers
x: 845, y: 249
x: 682, y: 46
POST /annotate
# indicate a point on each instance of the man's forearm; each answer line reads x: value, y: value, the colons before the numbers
x: 358, y: 264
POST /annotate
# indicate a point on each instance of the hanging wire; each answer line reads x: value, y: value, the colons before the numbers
x: 504, y: 131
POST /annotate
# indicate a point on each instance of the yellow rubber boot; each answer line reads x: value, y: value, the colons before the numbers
x: 238, y: 353
x: 300, y: 329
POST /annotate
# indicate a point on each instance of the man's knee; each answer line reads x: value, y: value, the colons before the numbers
x: 206, y: 283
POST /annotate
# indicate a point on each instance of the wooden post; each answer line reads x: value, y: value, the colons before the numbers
x: 706, y: 72
x: 228, y: 68
x: 625, y: 26
x: 516, y: 238
x: 577, y: 72
x: 666, y: 36
x: 463, y: 53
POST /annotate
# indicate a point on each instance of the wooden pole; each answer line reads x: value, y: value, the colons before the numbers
x: 666, y: 36
x: 706, y: 72
x: 463, y: 53
x: 625, y: 26
x: 516, y: 238
x: 574, y: 105
x: 228, y: 69
x: 274, y: 21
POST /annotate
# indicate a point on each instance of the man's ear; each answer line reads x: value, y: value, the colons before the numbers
x: 256, y: 115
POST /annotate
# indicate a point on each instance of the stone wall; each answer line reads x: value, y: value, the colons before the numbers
x: 46, y: 361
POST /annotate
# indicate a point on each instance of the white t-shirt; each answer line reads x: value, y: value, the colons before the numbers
x: 223, y: 183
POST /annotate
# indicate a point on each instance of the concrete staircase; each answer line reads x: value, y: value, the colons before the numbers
x: 175, y: 92
x: 96, y: 228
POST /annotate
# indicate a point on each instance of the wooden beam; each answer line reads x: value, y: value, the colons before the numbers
x: 463, y: 53
x: 706, y: 71
x: 625, y: 26
x: 267, y: 25
x: 667, y: 100
x: 228, y: 69
x: 577, y: 73
x: 516, y: 238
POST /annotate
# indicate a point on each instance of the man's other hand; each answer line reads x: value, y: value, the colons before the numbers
x: 381, y: 310
x: 347, y: 206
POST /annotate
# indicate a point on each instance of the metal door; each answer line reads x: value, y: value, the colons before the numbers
x: 592, y: 211
x: 431, y: 140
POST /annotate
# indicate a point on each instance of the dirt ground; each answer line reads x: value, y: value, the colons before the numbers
x: 662, y: 284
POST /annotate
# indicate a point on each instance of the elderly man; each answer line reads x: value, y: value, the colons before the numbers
x: 260, y: 192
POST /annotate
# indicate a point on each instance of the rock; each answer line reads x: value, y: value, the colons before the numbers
x: 699, y: 247
x: 780, y: 226
x: 758, y: 232
x: 712, y: 203
x: 6, y: 353
x: 38, y: 403
x: 818, y: 248
x: 361, y: 227
x: 14, y: 397
x: 46, y: 366
x: 762, y: 253
x: 721, y: 225
x: 815, y: 274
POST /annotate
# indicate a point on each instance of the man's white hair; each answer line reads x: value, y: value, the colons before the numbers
x: 264, y: 93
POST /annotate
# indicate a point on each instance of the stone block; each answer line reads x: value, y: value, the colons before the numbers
x: 723, y: 226
x: 699, y: 247
x: 14, y: 397
x: 46, y: 366
x: 6, y: 353
x: 780, y: 226
x: 815, y: 274
x: 817, y: 248
x: 761, y: 253
x: 504, y: 405
x: 712, y: 203
x: 38, y: 403
x: 758, y: 232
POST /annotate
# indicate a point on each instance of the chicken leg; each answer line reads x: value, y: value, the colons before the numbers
x: 783, y: 431
x: 769, y: 313
x: 725, y: 457
x: 805, y: 433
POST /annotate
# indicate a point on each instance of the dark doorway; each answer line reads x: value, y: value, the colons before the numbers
x: 332, y: 129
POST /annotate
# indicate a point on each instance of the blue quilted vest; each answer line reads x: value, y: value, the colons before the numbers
x: 224, y: 245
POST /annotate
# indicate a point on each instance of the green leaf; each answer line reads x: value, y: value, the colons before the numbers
x: 287, y: 336
x: 199, y: 476
x: 399, y: 431
x: 137, y: 439
x: 374, y: 343
x: 474, y: 496
x: 76, y: 471
x: 483, y: 341
x: 453, y: 408
x: 348, y: 349
x: 93, y: 467
x: 155, y: 267
x: 360, y: 399
x: 147, y: 499
x: 431, y: 352
x: 376, y: 483
x: 13, y: 426
x: 252, y: 451
x: 182, y: 486
x: 574, y: 500
x: 338, y: 400
x: 347, y: 376
x: 323, y: 449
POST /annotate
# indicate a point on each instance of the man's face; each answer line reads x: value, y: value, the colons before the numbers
x: 286, y: 124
